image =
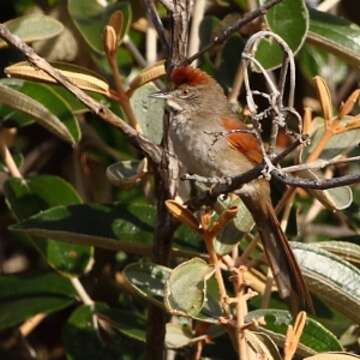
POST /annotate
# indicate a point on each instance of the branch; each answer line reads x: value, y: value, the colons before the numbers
x: 150, y: 149
x: 322, y: 184
x: 156, y: 21
x: 250, y: 16
x: 235, y: 183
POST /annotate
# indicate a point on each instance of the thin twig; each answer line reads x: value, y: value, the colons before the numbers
x: 322, y: 184
x: 250, y: 16
x: 320, y: 164
x: 134, y: 51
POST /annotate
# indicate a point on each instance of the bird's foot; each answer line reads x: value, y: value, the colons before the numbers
x: 268, y: 168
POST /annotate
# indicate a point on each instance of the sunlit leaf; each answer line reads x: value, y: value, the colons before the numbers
x: 334, y: 280
x: 335, y: 34
x: 290, y: 20
x: 33, y: 28
x: 90, y: 17
x: 43, y: 115
x: 81, y: 77
x: 186, y: 287
x: 315, y: 337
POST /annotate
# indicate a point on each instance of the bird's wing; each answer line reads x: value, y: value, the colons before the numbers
x: 244, y: 142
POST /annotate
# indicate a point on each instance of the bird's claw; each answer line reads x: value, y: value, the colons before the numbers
x: 268, y: 168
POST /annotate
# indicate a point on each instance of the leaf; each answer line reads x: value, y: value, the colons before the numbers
x: 149, y: 112
x: 148, y: 280
x: 114, y: 227
x: 81, y: 77
x: 22, y: 297
x: 33, y: 28
x: 334, y: 280
x: 83, y: 341
x: 31, y: 105
x: 186, y: 287
x: 334, y: 356
x: 315, y: 337
x: 127, y: 323
x: 257, y: 347
x: 126, y: 173
x: 336, y: 35
x: 28, y: 197
x: 314, y: 61
x: 126, y: 227
x: 338, y: 198
x: 91, y: 18
x: 290, y: 20
x: 234, y: 230
x: 346, y: 250
x: 338, y: 144
x: 178, y: 336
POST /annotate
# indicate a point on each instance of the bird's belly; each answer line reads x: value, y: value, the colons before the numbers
x: 196, y: 150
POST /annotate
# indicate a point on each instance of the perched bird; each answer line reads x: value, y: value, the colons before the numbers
x: 200, y: 133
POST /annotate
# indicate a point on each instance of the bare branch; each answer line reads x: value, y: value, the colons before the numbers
x: 322, y: 184
x: 320, y: 164
x: 150, y: 149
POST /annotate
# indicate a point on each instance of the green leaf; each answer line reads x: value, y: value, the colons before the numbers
x: 114, y: 227
x: 127, y: 323
x: 290, y: 20
x: 338, y: 144
x: 28, y: 197
x: 337, y: 198
x: 83, y: 341
x: 346, y: 250
x: 186, y: 287
x: 22, y: 297
x: 234, y: 230
x: 149, y: 112
x: 33, y: 28
x: 336, y: 35
x: 178, y: 336
x: 315, y: 337
x: 90, y: 18
x: 315, y: 61
x: 42, y: 105
x: 334, y: 280
x: 126, y: 173
x: 148, y: 280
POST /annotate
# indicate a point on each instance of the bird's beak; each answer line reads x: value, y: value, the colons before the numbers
x: 160, y: 95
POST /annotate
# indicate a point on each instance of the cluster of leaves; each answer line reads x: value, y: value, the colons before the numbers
x: 66, y: 228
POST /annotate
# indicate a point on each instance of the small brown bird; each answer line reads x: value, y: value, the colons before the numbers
x: 200, y: 133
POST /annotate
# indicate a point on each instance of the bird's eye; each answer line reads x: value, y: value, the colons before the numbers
x: 185, y: 92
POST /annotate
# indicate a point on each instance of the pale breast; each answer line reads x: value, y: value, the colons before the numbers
x: 196, y: 148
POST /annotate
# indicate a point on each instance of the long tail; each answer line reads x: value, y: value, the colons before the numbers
x: 282, y: 261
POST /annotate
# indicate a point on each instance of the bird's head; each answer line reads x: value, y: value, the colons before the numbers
x: 194, y: 91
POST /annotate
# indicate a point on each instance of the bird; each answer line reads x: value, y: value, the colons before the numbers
x: 201, y: 130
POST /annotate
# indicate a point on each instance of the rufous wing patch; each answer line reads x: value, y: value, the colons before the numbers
x: 190, y: 76
x: 244, y: 142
